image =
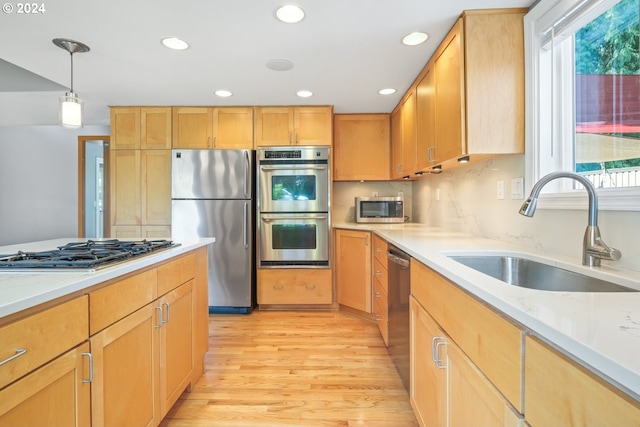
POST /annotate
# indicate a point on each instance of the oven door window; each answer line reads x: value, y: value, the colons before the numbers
x: 294, y: 236
x: 293, y: 187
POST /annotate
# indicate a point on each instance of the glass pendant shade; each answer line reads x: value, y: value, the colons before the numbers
x: 70, y: 111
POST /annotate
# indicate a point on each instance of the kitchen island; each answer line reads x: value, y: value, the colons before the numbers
x: 599, y: 331
x: 110, y: 347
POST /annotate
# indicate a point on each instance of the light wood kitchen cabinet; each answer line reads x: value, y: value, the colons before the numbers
x: 381, y: 286
x: 428, y: 380
x: 403, y: 149
x: 426, y: 151
x: 140, y: 188
x: 479, y: 81
x: 135, y: 128
x: 41, y: 379
x: 192, y: 127
x: 294, y: 286
x: 213, y: 127
x: 353, y: 269
x: 361, y: 147
x: 56, y: 394
x: 558, y: 391
x: 483, y: 354
x: 294, y: 126
x: 396, y: 142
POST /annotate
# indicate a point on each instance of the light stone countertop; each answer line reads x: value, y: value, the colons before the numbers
x: 23, y: 290
x: 601, y: 330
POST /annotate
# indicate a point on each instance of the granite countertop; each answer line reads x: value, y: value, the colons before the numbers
x: 599, y: 329
x: 23, y: 290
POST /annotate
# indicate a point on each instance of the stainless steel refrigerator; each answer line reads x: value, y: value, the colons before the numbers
x: 212, y: 195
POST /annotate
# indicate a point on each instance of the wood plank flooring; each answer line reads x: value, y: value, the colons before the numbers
x: 272, y: 369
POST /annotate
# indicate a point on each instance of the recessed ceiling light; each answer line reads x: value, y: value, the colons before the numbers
x: 223, y: 93
x: 415, y: 38
x: 290, y: 14
x: 387, y: 91
x: 304, y: 93
x: 279, y: 64
x: 175, y: 43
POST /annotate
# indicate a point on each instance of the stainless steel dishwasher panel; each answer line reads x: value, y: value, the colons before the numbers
x: 399, y: 290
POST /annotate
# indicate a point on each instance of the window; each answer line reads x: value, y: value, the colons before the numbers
x: 583, y: 92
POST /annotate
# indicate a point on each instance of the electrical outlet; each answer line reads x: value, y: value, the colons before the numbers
x: 374, y: 194
x: 500, y: 189
x: 517, y: 189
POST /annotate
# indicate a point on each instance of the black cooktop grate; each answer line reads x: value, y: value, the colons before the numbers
x: 88, y: 254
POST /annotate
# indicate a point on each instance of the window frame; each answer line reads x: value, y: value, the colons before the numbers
x: 537, y: 164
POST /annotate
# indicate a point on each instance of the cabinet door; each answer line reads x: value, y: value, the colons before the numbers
x: 428, y: 381
x: 124, y: 187
x: 54, y: 395
x: 396, y: 143
x: 313, y: 125
x: 125, y: 387
x: 155, y: 128
x: 353, y: 269
x: 361, y: 145
x: 426, y: 153
x: 176, y: 338
x: 559, y: 392
x: 274, y: 126
x: 125, y: 128
x: 156, y: 187
x: 192, y: 127
x: 450, y: 105
x: 233, y: 128
x: 409, y: 133
x: 473, y: 400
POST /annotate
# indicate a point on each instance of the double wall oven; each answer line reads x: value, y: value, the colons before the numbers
x: 293, y: 207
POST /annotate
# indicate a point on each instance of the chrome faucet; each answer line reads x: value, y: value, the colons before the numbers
x: 593, y: 248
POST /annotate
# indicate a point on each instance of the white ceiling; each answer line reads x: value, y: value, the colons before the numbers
x: 344, y: 51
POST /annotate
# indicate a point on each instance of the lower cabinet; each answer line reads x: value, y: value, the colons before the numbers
x: 57, y: 394
x: 559, y: 392
x: 353, y: 269
x: 294, y: 286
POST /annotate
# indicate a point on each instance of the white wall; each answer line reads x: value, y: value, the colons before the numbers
x: 39, y: 182
x: 468, y: 202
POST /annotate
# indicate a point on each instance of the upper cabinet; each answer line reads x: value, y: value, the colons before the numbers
x: 135, y: 128
x: 293, y: 126
x: 213, y: 127
x: 361, y: 144
x: 403, y: 155
x: 425, y: 127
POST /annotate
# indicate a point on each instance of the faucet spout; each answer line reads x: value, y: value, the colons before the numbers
x: 593, y: 248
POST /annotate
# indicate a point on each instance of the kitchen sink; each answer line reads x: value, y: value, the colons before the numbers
x: 531, y: 274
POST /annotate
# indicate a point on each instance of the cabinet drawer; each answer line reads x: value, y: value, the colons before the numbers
x: 295, y: 286
x: 560, y: 392
x: 381, y: 310
x: 117, y: 300
x: 380, y: 250
x: 381, y: 274
x: 489, y: 339
x: 43, y: 335
x: 176, y: 272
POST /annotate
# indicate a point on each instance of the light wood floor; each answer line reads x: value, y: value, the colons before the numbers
x: 306, y: 369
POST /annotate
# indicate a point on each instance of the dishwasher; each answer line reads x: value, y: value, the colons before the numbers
x: 398, y: 293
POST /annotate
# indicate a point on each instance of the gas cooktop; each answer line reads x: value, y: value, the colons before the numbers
x: 86, y: 255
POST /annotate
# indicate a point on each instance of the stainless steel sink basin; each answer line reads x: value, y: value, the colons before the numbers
x: 536, y: 275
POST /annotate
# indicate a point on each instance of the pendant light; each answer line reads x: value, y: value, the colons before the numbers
x: 70, y: 104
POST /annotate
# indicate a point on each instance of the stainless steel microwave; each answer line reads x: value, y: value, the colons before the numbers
x: 380, y: 209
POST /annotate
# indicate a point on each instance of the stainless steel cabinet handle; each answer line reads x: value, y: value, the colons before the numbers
x: 438, y: 361
x: 90, y: 357
x: 430, y: 154
x: 378, y: 295
x: 159, y: 325
x: 208, y: 141
x: 162, y: 321
x: 310, y: 287
x: 278, y: 287
x: 215, y: 140
x: 19, y: 352
x: 378, y: 273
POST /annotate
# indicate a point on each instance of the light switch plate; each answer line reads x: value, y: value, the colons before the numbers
x: 517, y: 188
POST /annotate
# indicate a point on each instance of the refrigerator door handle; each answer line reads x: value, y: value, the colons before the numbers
x: 246, y: 225
x: 247, y: 173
